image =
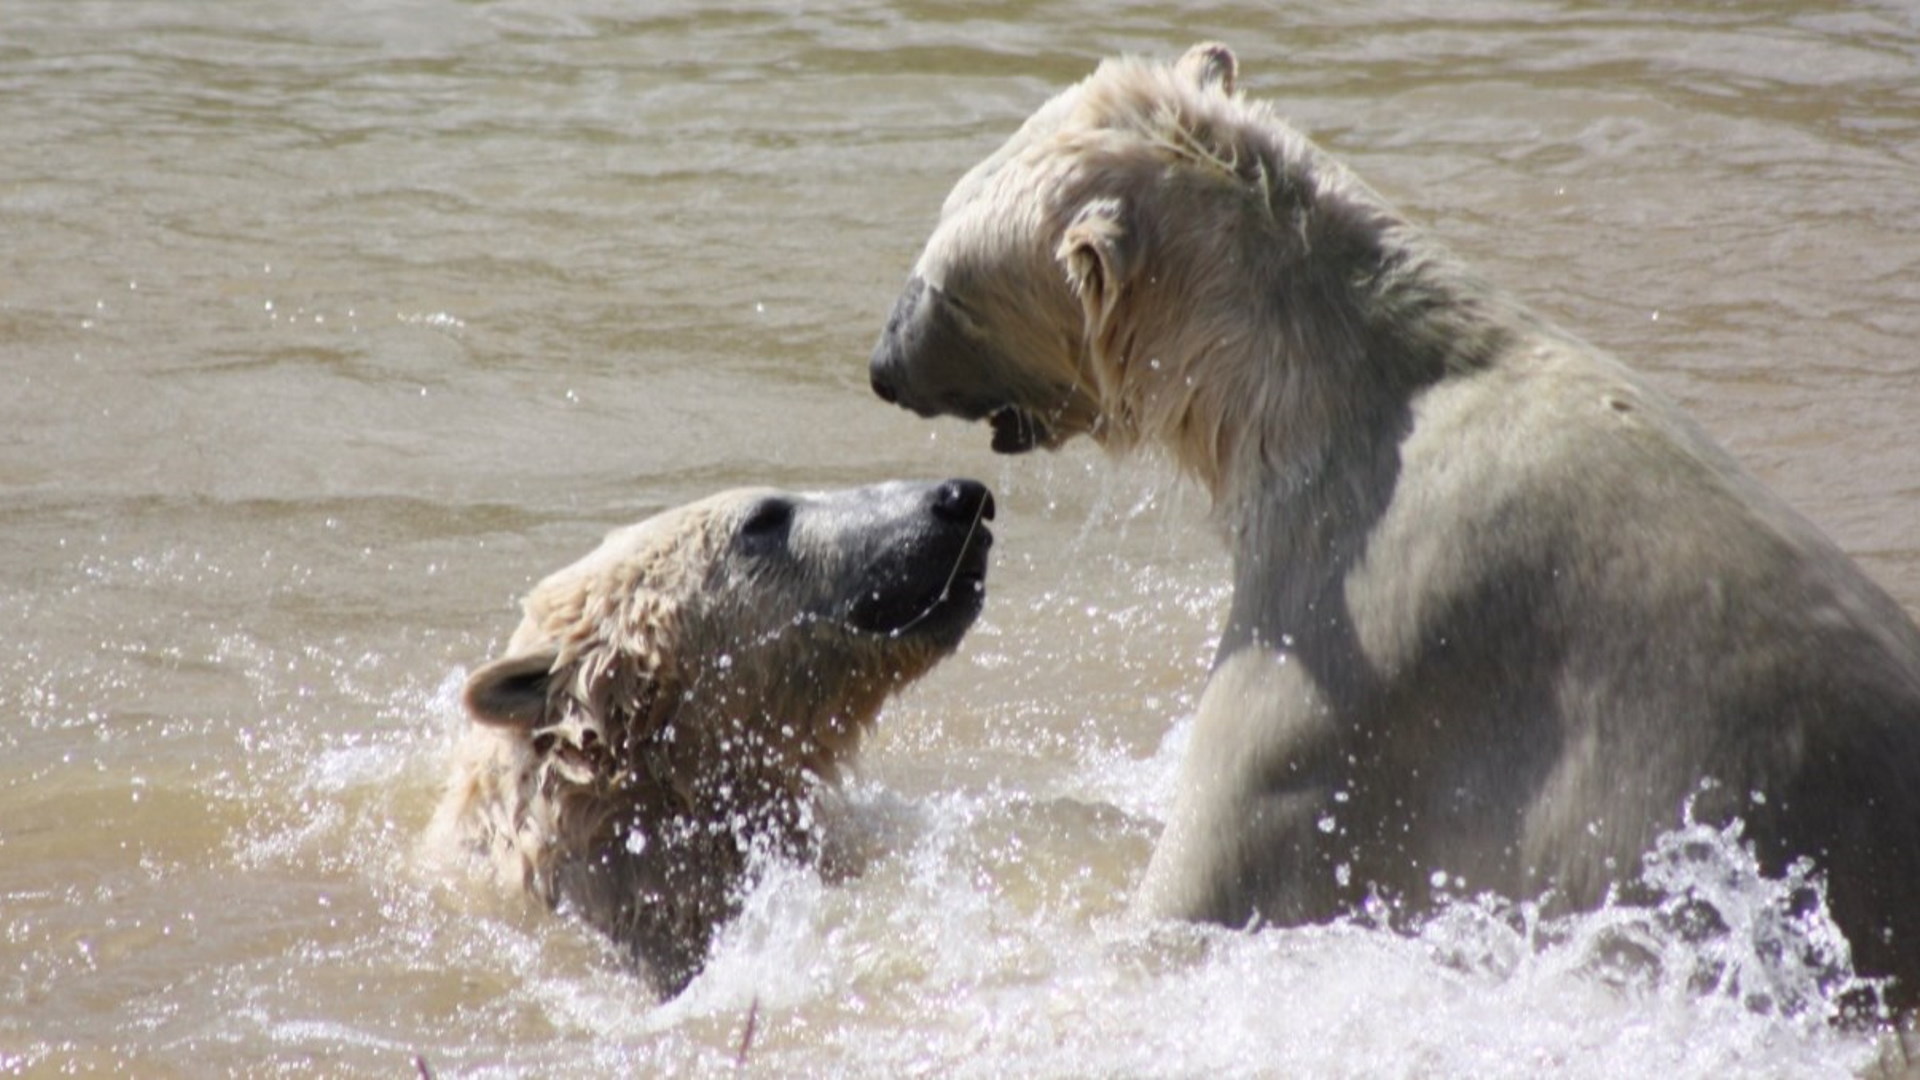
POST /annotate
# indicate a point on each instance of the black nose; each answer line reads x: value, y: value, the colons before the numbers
x: 963, y: 501
x: 883, y: 369
x: 882, y: 385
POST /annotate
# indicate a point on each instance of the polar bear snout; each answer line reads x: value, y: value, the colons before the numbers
x: 921, y: 359
x: 929, y: 577
x: 932, y: 358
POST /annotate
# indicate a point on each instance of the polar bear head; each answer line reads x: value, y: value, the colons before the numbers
x: 1152, y: 257
x: 1040, y: 243
x: 750, y: 607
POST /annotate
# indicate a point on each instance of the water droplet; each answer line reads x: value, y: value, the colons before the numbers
x: 1325, y: 823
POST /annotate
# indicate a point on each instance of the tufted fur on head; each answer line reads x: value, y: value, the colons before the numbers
x: 670, y: 706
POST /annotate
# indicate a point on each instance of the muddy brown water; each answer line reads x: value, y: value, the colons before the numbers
x: 328, y: 328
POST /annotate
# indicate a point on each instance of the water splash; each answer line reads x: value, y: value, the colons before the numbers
x: 986, y: 934
x: 1723, y: 929
x: 941, y: 960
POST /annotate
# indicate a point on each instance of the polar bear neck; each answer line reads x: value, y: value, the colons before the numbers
x: 1277, y: 310
x: 1357, y: 314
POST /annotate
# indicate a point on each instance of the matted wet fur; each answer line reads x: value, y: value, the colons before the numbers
x: 672, y: 704
x: 1499, y: 608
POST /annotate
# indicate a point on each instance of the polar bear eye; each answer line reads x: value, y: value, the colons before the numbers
x: 960, y: 311
x: 767, y: 523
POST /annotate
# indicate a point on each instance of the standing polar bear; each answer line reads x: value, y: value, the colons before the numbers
x: 673, y: 702
x: 1500, y: 610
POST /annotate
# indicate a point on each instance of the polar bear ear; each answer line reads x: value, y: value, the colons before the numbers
x: 1211, y: 66
x: 511, y: 692
x: 1096, y: 253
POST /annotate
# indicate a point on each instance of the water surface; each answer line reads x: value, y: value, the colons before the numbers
x: 328, y: 328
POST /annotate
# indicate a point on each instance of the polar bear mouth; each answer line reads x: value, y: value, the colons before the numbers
x: 951, y: 608
x: 1016, y: 430
x: 953, y: 590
